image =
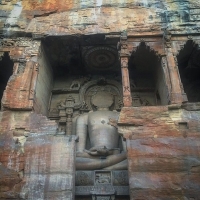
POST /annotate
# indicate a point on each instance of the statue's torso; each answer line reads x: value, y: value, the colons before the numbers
x: 101, y: 133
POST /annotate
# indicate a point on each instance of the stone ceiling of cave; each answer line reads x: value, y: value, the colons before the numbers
x: 94, y: 54
x: 79, y: 55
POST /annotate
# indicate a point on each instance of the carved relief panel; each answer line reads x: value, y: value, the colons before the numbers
x: 74, y: 98
x: 102, y: 184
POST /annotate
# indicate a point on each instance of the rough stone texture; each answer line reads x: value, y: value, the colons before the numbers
x: 49, y: 168
x: 18, y: 90
x: 90, y: 17
x: 163, y: 152
x: 163, y: 142
x: 34, y: 170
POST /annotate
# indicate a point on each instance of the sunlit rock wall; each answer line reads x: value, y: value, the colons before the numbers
x: 49, y: 169
x: 35, y: 163
x: 163, y: 143
x: 163, y: 152
x: 50, y: 17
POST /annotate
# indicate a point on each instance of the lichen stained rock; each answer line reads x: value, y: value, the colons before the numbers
x: 50, y: 17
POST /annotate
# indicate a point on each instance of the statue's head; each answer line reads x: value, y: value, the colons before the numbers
x: 102, y: 100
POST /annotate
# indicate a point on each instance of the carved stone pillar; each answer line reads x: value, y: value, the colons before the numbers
x: 176, y: 95
x: 124, y: 57
x: 167, y: 76
x: 65, y: 113
x: 69, y: 112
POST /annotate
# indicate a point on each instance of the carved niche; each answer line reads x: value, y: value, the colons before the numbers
x: 74, y: 99
x: 102, y: 184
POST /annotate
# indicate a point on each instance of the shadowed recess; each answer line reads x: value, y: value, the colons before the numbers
x: 6, y: 68
x: 147, y: 77
x: 189, y: 69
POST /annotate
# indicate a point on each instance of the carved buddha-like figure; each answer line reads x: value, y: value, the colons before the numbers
x: 104, y: 138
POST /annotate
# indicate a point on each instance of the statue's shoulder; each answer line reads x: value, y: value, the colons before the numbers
x: 83, y: 116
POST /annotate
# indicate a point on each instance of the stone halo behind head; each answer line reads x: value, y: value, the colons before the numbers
x: 102, y: 99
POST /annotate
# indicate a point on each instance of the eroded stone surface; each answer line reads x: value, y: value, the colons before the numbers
x: 163, y: 142
x: 49, y: 167
x: 89, y: 17
x: 163, y: 152
x: 43, y: 157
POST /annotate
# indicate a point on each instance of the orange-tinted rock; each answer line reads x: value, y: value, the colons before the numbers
x: 164, y: 155
x: 10, y: 183
x: 14, y: 157
x: 49, y: 167
x: 163, y: 142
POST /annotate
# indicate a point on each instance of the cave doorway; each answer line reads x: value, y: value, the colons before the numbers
x: 81, y: 68
x: 189, y: 69
x: 6, y: 70
x: 147, y: 78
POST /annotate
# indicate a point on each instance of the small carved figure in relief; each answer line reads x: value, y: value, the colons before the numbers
x: 104, y: 138
x: 76, y: 84
x: 102, y: 178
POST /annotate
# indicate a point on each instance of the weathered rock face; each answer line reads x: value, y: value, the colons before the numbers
x: 163, y: 152
x: 90, y: 17
x: 49, y: 169
x: 35, y: 163
x: 61, y: 52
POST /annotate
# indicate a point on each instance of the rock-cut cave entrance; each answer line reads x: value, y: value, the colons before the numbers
x: 75, y: 70
x: 6, y: 70
x: 189, y: 69
x: 147, y: 78
x: 72, y: 71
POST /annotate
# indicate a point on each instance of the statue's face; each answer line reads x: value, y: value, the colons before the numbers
x: 102, y: 99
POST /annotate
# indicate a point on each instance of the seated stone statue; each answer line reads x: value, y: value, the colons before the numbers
x: 104, y: 138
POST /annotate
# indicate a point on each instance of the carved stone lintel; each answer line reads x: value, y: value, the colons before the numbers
x: 21, y: 49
